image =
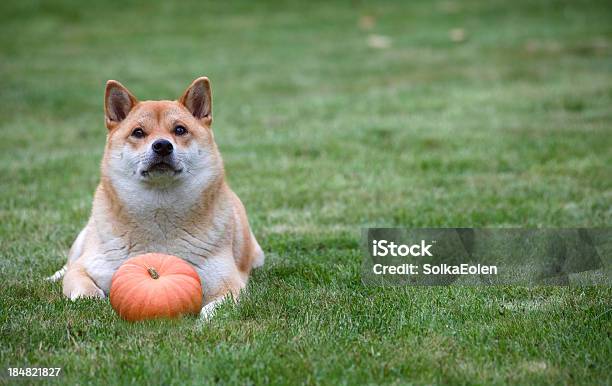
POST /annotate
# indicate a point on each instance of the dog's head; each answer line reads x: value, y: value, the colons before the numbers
x: 159, y: 144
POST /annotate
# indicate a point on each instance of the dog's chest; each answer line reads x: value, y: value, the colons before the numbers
x: 168, y: 234
x: 163, y: 231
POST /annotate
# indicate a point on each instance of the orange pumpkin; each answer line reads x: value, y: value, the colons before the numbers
x: 155, y: 285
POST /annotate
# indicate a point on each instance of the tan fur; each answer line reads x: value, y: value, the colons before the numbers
x: 189, y: 211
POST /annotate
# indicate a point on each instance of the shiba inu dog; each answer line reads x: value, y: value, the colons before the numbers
x: 162, y: 189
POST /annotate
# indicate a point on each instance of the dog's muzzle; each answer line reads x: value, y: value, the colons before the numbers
x: 161, y: 165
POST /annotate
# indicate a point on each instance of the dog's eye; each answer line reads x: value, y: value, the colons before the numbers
x: 138, y: 133
x: 180, y: 130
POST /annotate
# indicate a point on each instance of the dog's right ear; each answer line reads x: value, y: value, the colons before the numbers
x: 118, y: 101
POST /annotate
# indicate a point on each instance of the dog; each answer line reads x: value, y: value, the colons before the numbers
x: 163, y: 189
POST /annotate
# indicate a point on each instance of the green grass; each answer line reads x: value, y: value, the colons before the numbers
x: 321, y: 135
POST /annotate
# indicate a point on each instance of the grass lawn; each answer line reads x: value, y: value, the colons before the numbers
x: 331, y: 117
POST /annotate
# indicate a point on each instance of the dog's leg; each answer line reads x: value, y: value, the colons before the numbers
x: 220, y: 280
x: 78, y: 284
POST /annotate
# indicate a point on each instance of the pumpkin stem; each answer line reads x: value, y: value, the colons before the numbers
x: 153, y: 273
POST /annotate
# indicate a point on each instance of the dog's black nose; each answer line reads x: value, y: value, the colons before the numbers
x: 162, y: 147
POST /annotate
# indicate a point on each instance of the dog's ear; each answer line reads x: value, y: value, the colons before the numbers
x: 198, y: 100
x: 118, y: 101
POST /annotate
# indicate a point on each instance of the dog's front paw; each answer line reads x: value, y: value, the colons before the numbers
x: 208, y: 311
x: 84, y: 292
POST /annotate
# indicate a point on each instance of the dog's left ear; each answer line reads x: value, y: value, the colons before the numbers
x: 198, y: 100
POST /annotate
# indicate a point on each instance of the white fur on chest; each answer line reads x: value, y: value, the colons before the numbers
x: 157, y: 226
x: 191, y: 245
